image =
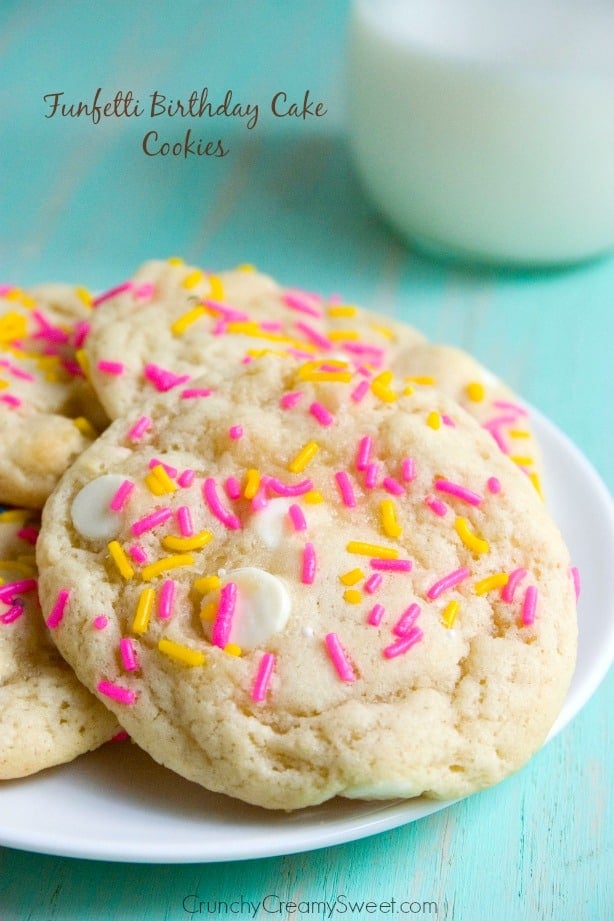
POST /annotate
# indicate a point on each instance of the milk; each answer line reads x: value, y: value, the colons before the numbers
x: 485, y: 128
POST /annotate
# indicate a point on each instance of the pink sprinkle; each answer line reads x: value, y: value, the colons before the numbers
x: 515, y: 578
x: 301, y: 301
x: 187, y: 478
x: 360, y: 391
x: 191, y: 393
x: 13, y: 613
x: 448, y: 421
x: 167, y: 596
x: 28, y: 533
x: 364, y: 451
x: 72, y: 367
x: 16, y: 371
x: 121, y: 736
x: 339, y: 658
x: 58, y: 610
x: 289, y: 400
x: 297, y: 518
x: 321, y: 413
x: 403, y: 644
x: 514, y: 407
x: 216, y: 508
x: 408, y: 469
x: 154, y: 462
x: 6, y: 289
x: 138, y: 554
x: 225, y: 611
x: 263, y: 677
x: 151, y: 521
x: 110, y: 367
x: 314, y: 336
x: 100, y: 622
x: 529, y: 606
x: 233, y: 488
x: 371, y: 475
x: 144, y: 291
x: 309, y: 564
x: 436, y: 505
x: 345, y: 488
x: 128, y: 655
x: 575, y: 575
x: 493, y: 484
x: 260, y: 500
x: 219, y: 329
x: 10, y: 589
x: 406, y: 620
x: 229, y: 314
x: 284, y: 489
x: 80, y: 333
x: 393, y: 486
x: 235, y: 432
x: 376, y: 615
x: 112, y: 292
x: 116, y: 692
x: 460, y: 492
x: 272, y: 326
x: 449, y: 581
x: 184, y: 519
x: 11, y: 400
x: 370, y: 352
x: 164, y: 380
x: 139, y: 428
x: 373, y: 582
x: 391, y: 565
x: 121, y: 496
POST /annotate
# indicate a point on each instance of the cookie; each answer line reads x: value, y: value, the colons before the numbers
x: 48, y: 411
x: 47, y: 717
x: 312, y: 589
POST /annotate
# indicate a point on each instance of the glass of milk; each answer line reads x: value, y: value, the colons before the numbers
x: 485, y: 128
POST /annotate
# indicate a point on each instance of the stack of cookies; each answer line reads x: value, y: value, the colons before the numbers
x: 306, y: 557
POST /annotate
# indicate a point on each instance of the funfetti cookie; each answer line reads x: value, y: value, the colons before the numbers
x: 48, y: 411
x: 47, y: 717
x: 172, y: 323
x: 312, y: 588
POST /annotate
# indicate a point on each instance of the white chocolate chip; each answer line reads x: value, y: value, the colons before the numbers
x: 271, y: 522
x: 262, y: 607
x: 90, y: 510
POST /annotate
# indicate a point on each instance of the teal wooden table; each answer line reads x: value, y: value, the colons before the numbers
x: 82, y: 200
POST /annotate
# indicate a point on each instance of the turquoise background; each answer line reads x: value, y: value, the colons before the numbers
x: 81, y: 202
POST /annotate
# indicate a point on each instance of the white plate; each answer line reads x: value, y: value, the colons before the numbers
x: 116, y: 804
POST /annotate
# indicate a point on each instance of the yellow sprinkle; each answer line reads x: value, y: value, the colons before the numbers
x: 522, y: 461
x: 338, y: 377
x: 27, y: 301
x: 304, y: 457
x: 519, y: 433
x: 233, y: 649
x: 11, y: 515
x: 120, y: 559
x: 380, y: 386
x: 433, y: 420
x: 207, y: 584
x: 154, y: 485
x: 342, y: 310
x: 181, y: 653
x: 352, y: 596
x: 384, y: 331
x: 209, y: 611
x: 374, y: 550
x: 143, y: 611
x: 252, y: 483
x: 216, y: 291
x: 83, y: 360
x: 475, y: 391
x: 449, y: 613
x: 313, y: 497
x: 352, y: 577
x: 175, y: 260
x: 246, y: 267
x: 422, y: 379
x: 167, y: 562
x: 470, y: 540
x: 534, y: 477
x: 12, y: 326
x: 4, y: 385
x: 186, y: 319
x: 84, y: 296
x: 85, y: 427
x: 390, y: 525
x: 14, y: 294
x: 498, y: 580
x: 343, y: 335
x: 165, y: 481
x: 183, y: 544
x: 193, y: 278
x: 407, y: 391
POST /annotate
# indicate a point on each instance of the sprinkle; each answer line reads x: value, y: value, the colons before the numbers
x: 459, y: 492
x: 422, y: 380
x: 314, y: 336
x: 128, y: 655
x: 373, y: 582
x: 374, y: 550
x: 304, y: 457
x: 11, y: 400
x: 184, y: 520
x: 376, y: 615
x: 263, y: 677
x: 252, y: 483
x: 514, y: 407
x: 345, y: 488
x: 289, y: 400
x: 364, y: 450
x: 193, y: 278
x: 120, y: 559
x: 10, y: 589
x: 13, y: 613
x: 181, y: 653
x: 284, y: 489
x: 391, y: 565
x: 185, y: 544
x: 232, y: 488
x: 191, y: 393
x: 352, y: 596
x: 160, y: 473
x: 313, y: 497
x: 521, y: 460
x: 186, y: 478
x: 575, y: 575
x: 403, y: 644
x: 493, y: 485
x: 360, y: 391
x: 85, y: 427
x: 408, y: 469
x: 233, y: 649
x: 225, y: 611
x: 162, y: 379
x: 535, y: 480
x: 100, y: 622
x: 475, y: 391
x: 449, y: 613
x: 393, y: 486
x: 116, y: 692
x: 529, y: 606
x: 380, y: 386
x: 144, y: 291
x: 433, y: 420
x: 339, y: 658
x: 309, y: 564
x: 447, y: 582
x: 151, y: 521
x: 390, y: 525
x: 407, y: 620
x: 297, y: 518
x: 139, y: 428
x: 216, y: 508
x: 497, y: 580
x: 470, y: 540
x: 435, y: 505
x: 371, y: 475
x: 138, y: 554
x: 154, y: 462
x: 121, y: 496
x: 166, y: 563
x: 352, y: 577
x: 111, y: 367
x: 112, y: 292
x: 166, y: 598
x: 143, y: 610
x: 321, y: 414
x: 207, y: 584
x: 515, y: 578
x: 235, y: 432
